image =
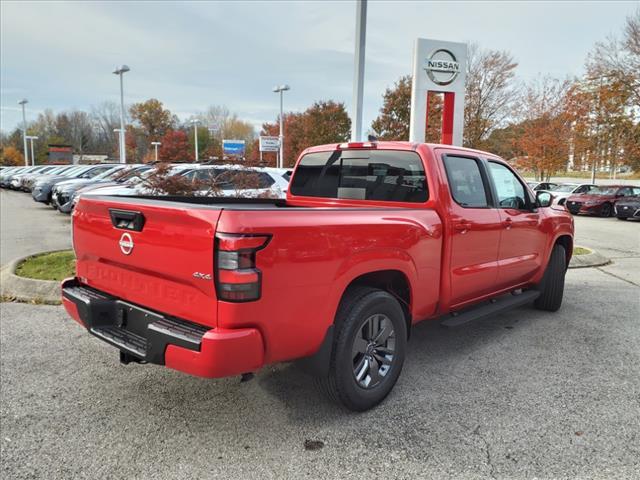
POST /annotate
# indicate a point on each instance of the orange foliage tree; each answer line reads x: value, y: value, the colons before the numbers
x: 546, y: 128
x: 12, y: 156
x: 175, y: 147
x: 323, y: 122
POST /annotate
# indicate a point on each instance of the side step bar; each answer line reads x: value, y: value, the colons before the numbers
x: 494, y: 307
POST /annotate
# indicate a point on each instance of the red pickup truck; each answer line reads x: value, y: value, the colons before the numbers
x: 371, y: 239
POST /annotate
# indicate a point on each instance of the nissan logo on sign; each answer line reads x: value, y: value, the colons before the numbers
x: 442, y: 67
x: 126, y: 243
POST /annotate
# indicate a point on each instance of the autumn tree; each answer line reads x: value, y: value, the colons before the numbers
x: 175, y: 147
x: 326, y: 122
x: 545, y: 136
x: 618, y: 59
x: 321, y: 123
x: 393, y: 120
x: 603, y: 122
x: 605, y: 103
x: 153, y: 119
x: 11, y: 156
x: 490, y: 93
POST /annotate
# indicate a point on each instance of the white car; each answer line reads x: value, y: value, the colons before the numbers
x: 133, y: 187
x: 240, y: 181
x: 565, y: 190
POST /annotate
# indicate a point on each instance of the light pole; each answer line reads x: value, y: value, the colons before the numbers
x: 120, y: 142
x: 123, y: 152
x: 23, y: 102
x: 195, y: 122
x: 155, y: 145
x: 33, y: 158
x: 358, y: 72
x: 281, y: 89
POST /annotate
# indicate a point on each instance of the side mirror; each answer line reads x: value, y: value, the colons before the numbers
x: 543, y: 199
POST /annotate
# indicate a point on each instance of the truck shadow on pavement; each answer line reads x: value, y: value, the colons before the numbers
x: 432, y: 351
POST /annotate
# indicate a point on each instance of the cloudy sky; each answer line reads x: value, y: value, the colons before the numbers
x: 190, y: 55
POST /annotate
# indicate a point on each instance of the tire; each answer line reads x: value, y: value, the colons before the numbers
x: 606, y: 210
x: 552, y: 285
x: 621, y: 218
x: 364, y: 311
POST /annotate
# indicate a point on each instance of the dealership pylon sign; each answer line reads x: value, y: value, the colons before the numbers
x: 438, y: 67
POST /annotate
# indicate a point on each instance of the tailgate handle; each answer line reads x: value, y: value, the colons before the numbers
x: 127, y: 219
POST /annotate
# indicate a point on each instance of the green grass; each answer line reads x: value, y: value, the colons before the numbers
x: 581, y: 251
x: 49, y: 266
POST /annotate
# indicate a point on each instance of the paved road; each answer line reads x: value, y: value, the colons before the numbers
x: 523, y: 395
x: 29, y: 227
x: 615, y: 239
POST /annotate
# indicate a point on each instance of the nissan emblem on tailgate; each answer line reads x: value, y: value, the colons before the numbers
x: 126, y: 243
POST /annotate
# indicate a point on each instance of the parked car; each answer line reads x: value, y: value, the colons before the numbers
x: 7, y: 173
x: 628, y: 207
x: 565, y: 190
x: 137, y: 185
x: 42, y: 189
x: 16, y: 180
x: 8, y: 180
x: 535, y: 186
x: 239, y: 181
x: 27, y: 178
x: 66, y: 185
x: 371, y: 239
x: 599, y: 201
x: 64, y: 193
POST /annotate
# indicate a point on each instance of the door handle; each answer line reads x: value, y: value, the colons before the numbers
x: 462, y: 227
x: 508, y: 223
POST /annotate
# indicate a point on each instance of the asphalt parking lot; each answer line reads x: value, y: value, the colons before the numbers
x: 526, y: 394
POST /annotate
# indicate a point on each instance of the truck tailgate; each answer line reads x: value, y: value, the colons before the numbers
x: 154, y: 254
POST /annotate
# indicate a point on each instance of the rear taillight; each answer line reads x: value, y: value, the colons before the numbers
x: 237, y: 277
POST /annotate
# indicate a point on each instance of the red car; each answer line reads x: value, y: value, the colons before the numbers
x: 599, y: 201
x: 371, y: 239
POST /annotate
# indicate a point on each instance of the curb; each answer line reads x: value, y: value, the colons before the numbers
x: 593, y: 259
x: 24, y: 289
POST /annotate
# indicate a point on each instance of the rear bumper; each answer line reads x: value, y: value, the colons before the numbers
x: 155, y: 338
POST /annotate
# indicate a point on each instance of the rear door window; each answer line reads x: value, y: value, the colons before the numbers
x: 385, y: 175
x: 465, y: 181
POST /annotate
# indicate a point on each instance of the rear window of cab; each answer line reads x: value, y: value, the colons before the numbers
x: 382, y: 175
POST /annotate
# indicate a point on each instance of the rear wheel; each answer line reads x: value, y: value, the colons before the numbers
x: 368, y: 349
x: 552, y: 285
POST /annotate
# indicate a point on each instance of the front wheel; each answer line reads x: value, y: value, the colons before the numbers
x: 368, y: 350
x: 606, y: 210
x: 552, y: 285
